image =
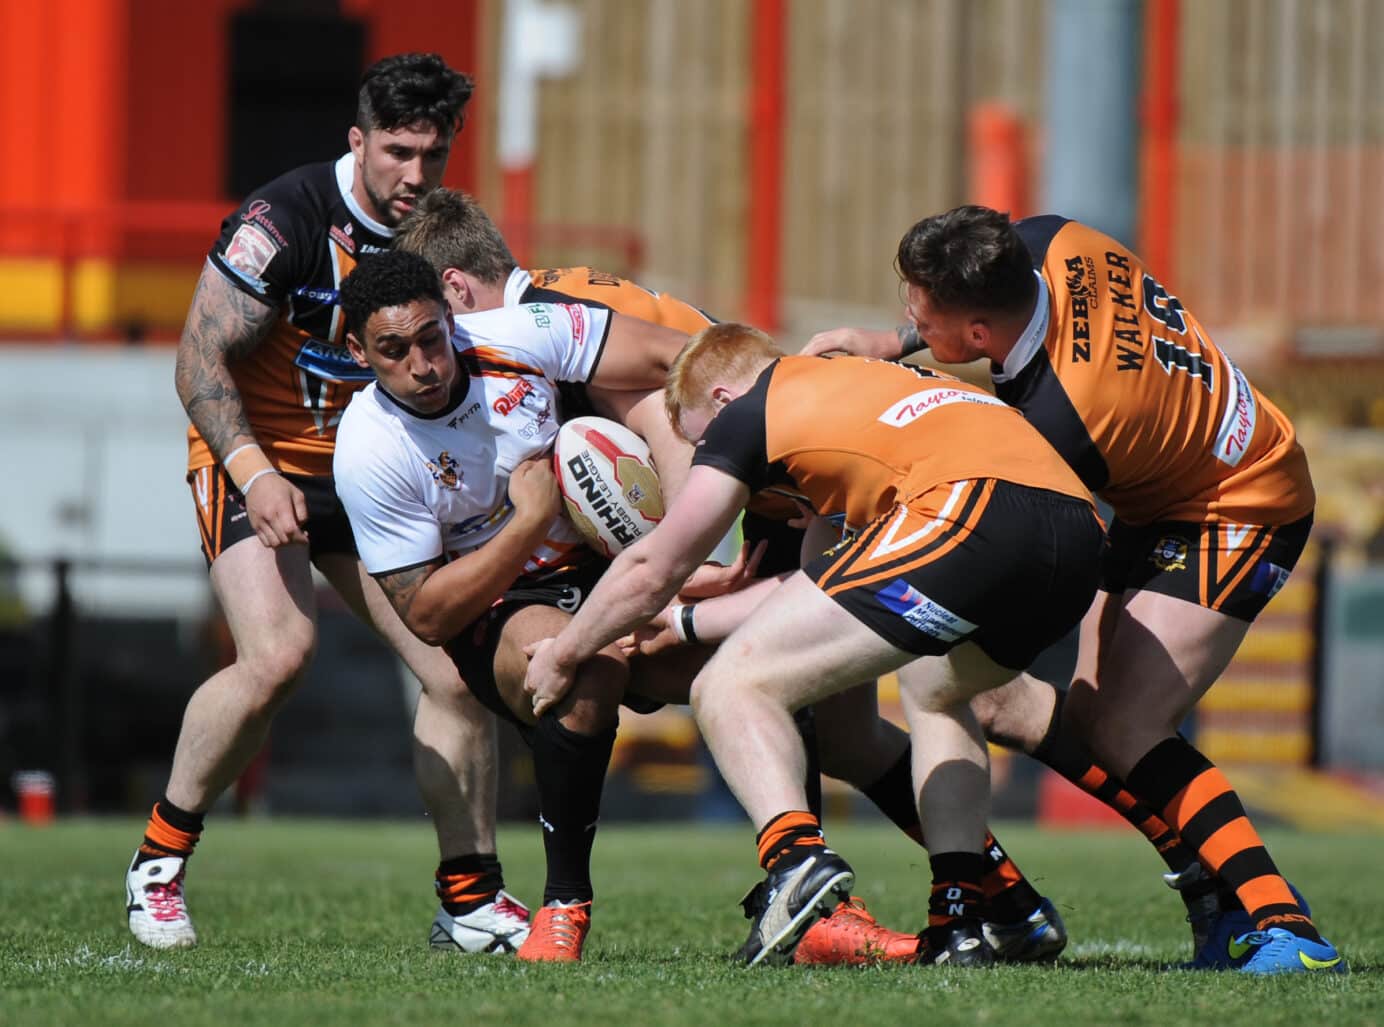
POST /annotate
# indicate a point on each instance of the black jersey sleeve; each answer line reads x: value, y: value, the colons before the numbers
x: 736, y: 442
x: 1038, y: 233
x: 266, y: 245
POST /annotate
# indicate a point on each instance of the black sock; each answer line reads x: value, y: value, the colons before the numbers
x: 893, y: 794
x: 956, y: 892
x: 570, y: 770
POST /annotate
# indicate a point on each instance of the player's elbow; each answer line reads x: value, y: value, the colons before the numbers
x: 430, y: 624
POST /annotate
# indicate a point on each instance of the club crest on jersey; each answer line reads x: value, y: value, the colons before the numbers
x: 1169, y: 554
x: 444, y: 471
x: 513, y: 398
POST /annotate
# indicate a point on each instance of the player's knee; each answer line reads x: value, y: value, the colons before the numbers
x: 594, y: 702
x: 275, y: 666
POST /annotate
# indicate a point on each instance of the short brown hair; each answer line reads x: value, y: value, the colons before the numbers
x: 969, y: 258
x: 716, y: 353
x: 450, y: 229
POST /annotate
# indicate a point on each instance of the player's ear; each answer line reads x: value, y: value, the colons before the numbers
x: 355, y: 138
x: 455, y: 285
x: 357, y: 350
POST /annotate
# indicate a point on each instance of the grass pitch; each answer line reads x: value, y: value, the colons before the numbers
x: 314, y: 922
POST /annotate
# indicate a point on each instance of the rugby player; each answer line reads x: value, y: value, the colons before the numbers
x: 442, y: 465
x: 856, y: 745
x: 955, y: 513
x: 1213, y: 504
x: 264, y: 374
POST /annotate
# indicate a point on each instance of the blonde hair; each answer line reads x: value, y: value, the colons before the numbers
x: 717, y: 354
x: 450, y: 229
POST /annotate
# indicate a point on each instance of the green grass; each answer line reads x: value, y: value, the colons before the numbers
x: 307, y: 922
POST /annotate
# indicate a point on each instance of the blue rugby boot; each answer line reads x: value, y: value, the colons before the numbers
x: 1277, y: 951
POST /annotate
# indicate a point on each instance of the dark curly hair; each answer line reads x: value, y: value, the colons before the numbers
x: 407, y: 88
x: 969, y: 258
x: 388, y: 279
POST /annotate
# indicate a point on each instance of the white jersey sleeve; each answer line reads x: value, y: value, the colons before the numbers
x: 562, y: 342
x: 392, y: 523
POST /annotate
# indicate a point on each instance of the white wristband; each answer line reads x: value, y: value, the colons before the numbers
x: 225, y: 460
x: 245, y: 489
x: 675, y: 622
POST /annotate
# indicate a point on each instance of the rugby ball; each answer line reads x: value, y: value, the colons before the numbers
x: 609, y: 482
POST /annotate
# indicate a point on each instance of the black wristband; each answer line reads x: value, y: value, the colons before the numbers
x: 685, y: 618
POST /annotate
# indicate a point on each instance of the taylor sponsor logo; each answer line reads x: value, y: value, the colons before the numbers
x: 444, y: 471
x: 513, y: 398
x: 910, y: 408
x: 1169, y: 553
x: 927, y: 615
x: 1241, y: 416
x: 249, y: 253
x: 342, y: 237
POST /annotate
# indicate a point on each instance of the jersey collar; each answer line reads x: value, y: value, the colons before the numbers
x: 515, y: 285
x: 1030, y: 340
x: 345, y: 179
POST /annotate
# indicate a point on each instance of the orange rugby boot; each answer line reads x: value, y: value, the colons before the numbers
x: 557, y: 933
x: 850, y: 936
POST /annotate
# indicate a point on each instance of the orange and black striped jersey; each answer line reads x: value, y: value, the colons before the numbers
x: 852, y: 437
x: 563, y: 284
x: 290, y: 244
x: 1130, y: 389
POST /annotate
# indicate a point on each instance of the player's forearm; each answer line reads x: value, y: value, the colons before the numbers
x: 715, y: 618
x: 456, y: 594
x: 223, y: 324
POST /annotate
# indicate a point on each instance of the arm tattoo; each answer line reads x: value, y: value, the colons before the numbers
x: 223, y: 325
x: 909, y: 339
x: 401, y: 588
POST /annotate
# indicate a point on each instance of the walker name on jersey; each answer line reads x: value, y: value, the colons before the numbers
x: 928, y: 616
x: 910, y: 408
x: 330, y: 362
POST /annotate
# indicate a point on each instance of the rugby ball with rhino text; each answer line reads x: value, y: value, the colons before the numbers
x: 609, y: 483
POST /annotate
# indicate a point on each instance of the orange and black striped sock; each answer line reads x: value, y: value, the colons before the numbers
x: 467, y: 882
x: 1009, y: 897
x: 1198, y: 801
x: 792, y: 834
x: 1066, y: 754
x: 170, y: 832
x: 956, y: 890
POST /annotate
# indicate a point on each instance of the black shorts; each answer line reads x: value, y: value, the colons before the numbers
x: 473, y: 651
x: 1010, y: 568
x: 1233, y: 568
x: 784, y: 552
x: 223, y: 521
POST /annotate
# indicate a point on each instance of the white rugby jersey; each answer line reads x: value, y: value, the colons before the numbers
x: 418, y: 487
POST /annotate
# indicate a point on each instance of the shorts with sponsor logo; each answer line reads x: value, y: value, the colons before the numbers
x: 1233, y: 568
x: 1008, y: 567
x: 473, y: 650
x: 223, y: 521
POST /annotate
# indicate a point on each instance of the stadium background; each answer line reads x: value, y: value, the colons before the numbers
x: 757, y: 157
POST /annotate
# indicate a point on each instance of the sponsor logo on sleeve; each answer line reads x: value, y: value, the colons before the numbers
x: 578, y: 316
x: 258, y: 212
x: 910, y: 408
x: 342, y: 237
x: 249, y: 253
x: 927, y: 615
x: 1241, y: 416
